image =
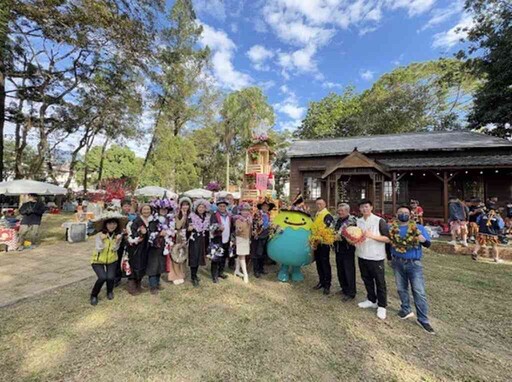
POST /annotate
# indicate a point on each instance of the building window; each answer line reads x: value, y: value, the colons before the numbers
x: 312, y: 189
x: 388, y: 192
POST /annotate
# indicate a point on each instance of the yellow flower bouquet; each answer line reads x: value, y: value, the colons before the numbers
x: 320, y: 234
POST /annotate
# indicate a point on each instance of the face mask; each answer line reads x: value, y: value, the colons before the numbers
x: 403, y: 217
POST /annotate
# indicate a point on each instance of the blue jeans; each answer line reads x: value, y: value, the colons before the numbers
x: 411, y: 271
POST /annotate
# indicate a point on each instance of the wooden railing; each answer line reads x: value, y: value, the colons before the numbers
x: 249, y: 193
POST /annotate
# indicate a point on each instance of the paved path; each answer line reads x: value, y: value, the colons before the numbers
x: 31, y: 272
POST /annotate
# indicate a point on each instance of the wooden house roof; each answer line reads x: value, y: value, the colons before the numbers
x: 431, y: 141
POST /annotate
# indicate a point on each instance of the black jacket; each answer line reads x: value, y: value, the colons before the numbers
x: 32, y: 213
x: 343, y: 246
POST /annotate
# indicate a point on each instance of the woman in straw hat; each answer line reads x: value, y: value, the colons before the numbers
x: 199, y: 228
x: 104, y: 260
x: 179, y: 253
x: 138, y: 249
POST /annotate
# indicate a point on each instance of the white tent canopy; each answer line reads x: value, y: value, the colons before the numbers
x: 199, y: 193
x: 156, y: 192
x: 26, y: 186
x: 223, y: 194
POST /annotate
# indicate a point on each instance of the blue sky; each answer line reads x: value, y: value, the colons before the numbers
x: 300, y: 50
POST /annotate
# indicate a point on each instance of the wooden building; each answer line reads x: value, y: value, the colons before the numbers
x: 392, y: 169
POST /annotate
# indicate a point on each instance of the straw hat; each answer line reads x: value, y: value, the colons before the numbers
x: 110, y: 215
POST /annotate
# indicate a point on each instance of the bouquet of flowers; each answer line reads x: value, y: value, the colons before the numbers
x: 354, y: 235
x: 215, y: 253
x: 320, y: 234
x: 214, y: 186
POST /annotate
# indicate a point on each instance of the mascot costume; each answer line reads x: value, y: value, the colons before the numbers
x: 289, y: 246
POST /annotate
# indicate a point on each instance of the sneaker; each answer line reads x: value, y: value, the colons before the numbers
x: 452, y: 242
x: 94, y: 300
x: 346, y: 298
x: 110, y: 295
x: 498, y: 261
x: 464, y: 243
x: 381, y: 313
x: 426, y: 326
x: 405, y: 316
x: 239, y: 274
x: 327, y: 291
x: 223, y: 276
x: 367, y: 304
x: 246, y: 279
x: 472, y: 238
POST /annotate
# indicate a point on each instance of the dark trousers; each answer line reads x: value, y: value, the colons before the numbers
x: 260, y: 252
x: 154, y: 281
x: 218, y: 266
x: 373, y: 275
x: 323, y: 265
x: 105, y: 273
x: 346, y: 268
x: 193, y: 273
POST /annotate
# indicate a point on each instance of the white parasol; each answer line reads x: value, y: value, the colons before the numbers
x: 26, y: 186
x: 198, y: 193
x: 156, y: 192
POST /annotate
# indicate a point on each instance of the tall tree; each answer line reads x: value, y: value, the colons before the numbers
x: 490, y: 52
x: 242, y: 111
x: 53, y: 50
x: 333, y: 116
x: 179, y: 76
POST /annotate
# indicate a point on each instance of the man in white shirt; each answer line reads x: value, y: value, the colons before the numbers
x: 371, y: 255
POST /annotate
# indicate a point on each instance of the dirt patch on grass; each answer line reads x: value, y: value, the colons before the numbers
x: 265, y: 331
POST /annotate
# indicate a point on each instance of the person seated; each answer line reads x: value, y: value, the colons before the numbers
x: 416, y: 211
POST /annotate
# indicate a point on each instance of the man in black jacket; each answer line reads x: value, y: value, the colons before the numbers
x: 32, y: 212
x: 345, y: 254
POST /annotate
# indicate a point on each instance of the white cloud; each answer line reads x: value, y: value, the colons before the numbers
x: 214, y: 8
x: 290, y: 105
x: 259, y: 55
x: 413, y: 7
x: 260, y: 26
x: 332, y: 85
x: 290, y: 125
x: 301, y: 60
x: 451, y: 37
x: 265, y: 85
x: 367, y: 75
x: 440, y: 15
x: 223, y: 49
x: 309, y: 25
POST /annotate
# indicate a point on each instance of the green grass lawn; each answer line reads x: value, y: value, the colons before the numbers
x: 51, y: 230
x: 265, y: 331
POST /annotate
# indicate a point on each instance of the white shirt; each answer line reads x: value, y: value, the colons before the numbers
x: 226, y: 232
x: 371, y: 249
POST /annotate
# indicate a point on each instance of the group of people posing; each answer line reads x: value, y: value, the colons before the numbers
x: 167, y: 235
x: 400, y: 242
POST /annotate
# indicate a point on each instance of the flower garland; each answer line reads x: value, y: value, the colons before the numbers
x: 409, y: 241
x: 166, y: 224
x: 320, y: 234
x: 199, y: 224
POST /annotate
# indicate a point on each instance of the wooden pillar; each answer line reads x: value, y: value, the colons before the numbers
x: 393, y: 191
x: 445, y: 196
x: 328, y: 183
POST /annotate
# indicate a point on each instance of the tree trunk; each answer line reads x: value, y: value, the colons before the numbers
x: 74, y: 155
x: 227, y: 170
x: 86, y: 169
x: 102, y: 160
x: 4, y: 24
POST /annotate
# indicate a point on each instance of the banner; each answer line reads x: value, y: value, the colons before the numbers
x: 261, y: 182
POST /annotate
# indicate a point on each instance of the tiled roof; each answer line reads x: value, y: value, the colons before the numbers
x: 444, y: 162
x: 432, y: 141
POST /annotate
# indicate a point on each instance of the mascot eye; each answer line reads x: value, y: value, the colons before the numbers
x: 303, y: 219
